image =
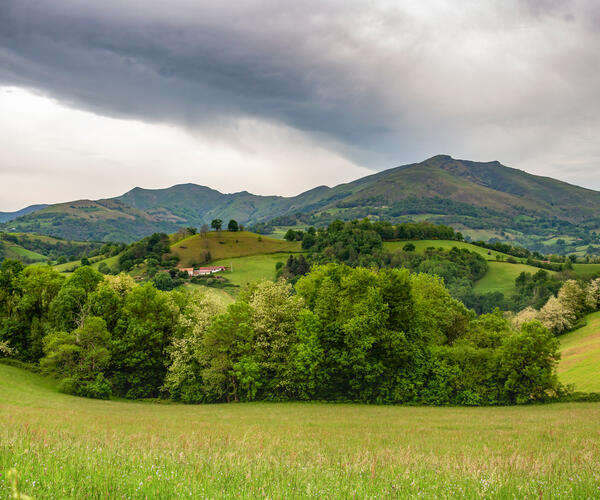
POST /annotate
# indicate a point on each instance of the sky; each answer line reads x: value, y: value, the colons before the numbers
x: 278, y: 97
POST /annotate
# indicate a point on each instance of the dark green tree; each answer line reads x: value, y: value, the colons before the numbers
x: 232, y: 226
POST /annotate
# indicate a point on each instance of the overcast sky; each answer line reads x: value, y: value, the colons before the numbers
x: 274, y: 97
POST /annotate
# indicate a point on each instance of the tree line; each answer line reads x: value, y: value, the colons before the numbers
x: 340, y: 334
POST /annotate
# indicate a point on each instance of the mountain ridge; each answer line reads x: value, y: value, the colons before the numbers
x: 8, y: 216
x: 474, y: 196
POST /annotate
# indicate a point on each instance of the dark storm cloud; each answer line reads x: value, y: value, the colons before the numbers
x: 386, y: 79
x: 185, y: 63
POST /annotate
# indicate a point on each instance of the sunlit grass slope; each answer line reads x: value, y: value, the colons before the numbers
x: 226, y: 297
x: 501, y: 276
x: 586, y: 270
x: 67, y: 447
x: 111, y: 262
x: 13, y: 251
x: 251, y: 268
x: 580, y: 363
x: 225, y: 244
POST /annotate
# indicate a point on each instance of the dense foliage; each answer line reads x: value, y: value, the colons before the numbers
x: 343, y: 334
x: 360, y: 243
x: 150, y: 249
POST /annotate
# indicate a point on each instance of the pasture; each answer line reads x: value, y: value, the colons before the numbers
x: 68, y: 447
x: 251, y: 268
x: 501, y: 276
x: 13, y: 251
x: 226, y: 245
x: 580, y: 363
x: 586, y: 270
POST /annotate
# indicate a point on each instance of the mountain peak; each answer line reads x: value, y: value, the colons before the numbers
x: 439, y: 158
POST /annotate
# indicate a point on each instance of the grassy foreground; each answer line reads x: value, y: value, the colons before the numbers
x: 67, y: 447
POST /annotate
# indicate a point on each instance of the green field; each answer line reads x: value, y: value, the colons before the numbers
x: 111, y: 262
x: 18, y: 252
x: 279, y: 231
x: 251, y: 268
x: 584, y: 270
x: 68, y: 447
x: 501, y: 277
x: 226, y: 245
x: 222, y: 294
x: 580, y: 363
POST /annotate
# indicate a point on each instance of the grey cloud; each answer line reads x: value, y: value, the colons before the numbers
x: 381, y: 81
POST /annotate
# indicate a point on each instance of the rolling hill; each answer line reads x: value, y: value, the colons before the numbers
x: 8, y: 216
x: 477, y: 198
x: 102, y: 220
x: 32, y: 248
x: 198, y: 249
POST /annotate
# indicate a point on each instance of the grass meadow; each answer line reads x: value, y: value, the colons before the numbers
x: 226, y: 245
x: 68, y: 447
x: 501, y: 276
x: 251, y: 268
x: 15, y: 252
x: 580, y: 363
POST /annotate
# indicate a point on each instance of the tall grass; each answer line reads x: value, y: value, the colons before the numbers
x: 67, y: 447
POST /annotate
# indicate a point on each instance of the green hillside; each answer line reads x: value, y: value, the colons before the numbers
x: 14, y: 251
x: 483, y: 200
x: 202, y: 248
x: 30, y: 248
x: 580, y: 363
x: 111, y: 262
x: 422, y: 245
x: 252, y: 268
x: 8, y: 216
x: 69, y: 447
x: 501, y: 276
x: 103, y: 220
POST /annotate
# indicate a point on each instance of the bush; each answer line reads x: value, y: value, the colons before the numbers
x: 68, y: 385
x: 96, y: 389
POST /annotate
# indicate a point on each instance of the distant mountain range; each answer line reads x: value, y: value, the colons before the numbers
x: 487, y: 200
x: 8, y: 216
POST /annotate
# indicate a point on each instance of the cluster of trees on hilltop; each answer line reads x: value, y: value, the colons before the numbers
x: 342, y: 334
x: 385, y: 229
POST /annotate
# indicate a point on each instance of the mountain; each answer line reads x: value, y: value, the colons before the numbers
x: 8, y: 216
x: 197, y: 205
x: 101, y: 220
x: 484, y: 200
